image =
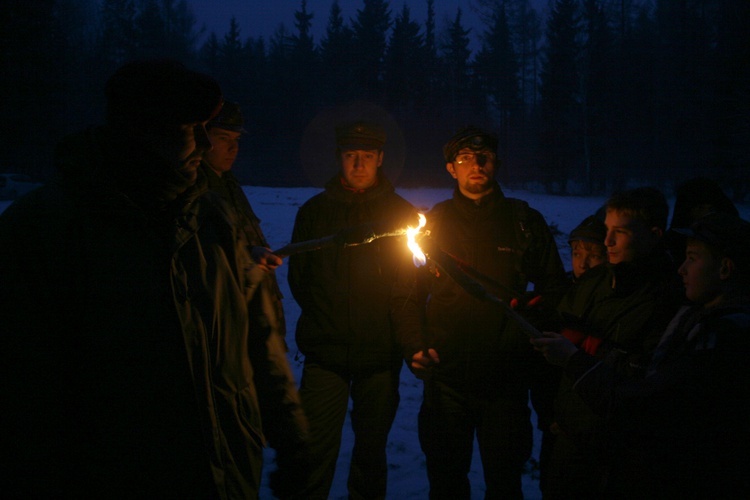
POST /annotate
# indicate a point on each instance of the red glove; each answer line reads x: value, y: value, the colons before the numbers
x: 532, y: 302
x: 573, y: 335
x: 591, y: 344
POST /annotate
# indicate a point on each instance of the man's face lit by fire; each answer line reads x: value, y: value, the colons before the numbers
x: 474, y: 172
x: 628, y: 238
x: 226, y: 145
x: 182, y: 146
x: 359, y: 167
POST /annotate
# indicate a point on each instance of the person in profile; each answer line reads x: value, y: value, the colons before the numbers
x: 694, y: 198
x: 680, y: 430
x: 623, y: 306
x: 225, y: 132
x: 136, y: 359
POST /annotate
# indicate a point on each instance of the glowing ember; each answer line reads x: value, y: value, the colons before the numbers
x: 411, y: 233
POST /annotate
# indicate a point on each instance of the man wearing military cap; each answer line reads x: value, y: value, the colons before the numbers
x: 473, y: 359
x: 225, y: 131
x: 344, y: 330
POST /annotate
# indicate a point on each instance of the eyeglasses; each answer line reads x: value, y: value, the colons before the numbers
x: 481, y: 157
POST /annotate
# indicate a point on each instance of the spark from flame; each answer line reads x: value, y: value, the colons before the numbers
x: 418, y: 256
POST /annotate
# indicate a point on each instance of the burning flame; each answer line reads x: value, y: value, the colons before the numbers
x: 418, y: 256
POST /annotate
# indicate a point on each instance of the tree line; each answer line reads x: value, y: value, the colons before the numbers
x: 588, y: 98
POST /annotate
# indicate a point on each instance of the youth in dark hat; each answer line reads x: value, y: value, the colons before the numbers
x: 224, y: 131
x: 587, y: 245
x: 726, y: 234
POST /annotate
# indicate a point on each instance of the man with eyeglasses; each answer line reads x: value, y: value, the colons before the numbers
x: 474, y: 360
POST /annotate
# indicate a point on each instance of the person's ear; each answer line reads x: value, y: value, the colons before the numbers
x: 726, y: 268
x: 451, y: 169
x: 380, y: 158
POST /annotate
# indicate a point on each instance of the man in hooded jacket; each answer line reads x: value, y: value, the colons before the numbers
x: 138, y: 360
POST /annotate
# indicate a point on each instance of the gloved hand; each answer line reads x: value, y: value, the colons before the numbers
x: 573, y: 335
x: 591, y: 344
x: 526, y: 302
x: 588, y: 343
x: 421, y: 363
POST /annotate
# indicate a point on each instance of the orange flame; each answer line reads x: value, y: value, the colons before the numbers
x: 418, y: 255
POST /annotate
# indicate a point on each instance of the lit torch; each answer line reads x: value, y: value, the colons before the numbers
x: 450, y: 266
x: 420, y: 259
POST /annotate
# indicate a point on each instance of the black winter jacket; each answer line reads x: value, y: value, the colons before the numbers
x: 624, y: 307
x: 504, y: 239
x: 135, y: 348
x: 344, y: 292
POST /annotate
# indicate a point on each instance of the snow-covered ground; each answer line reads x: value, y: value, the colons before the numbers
x: 407, y: 478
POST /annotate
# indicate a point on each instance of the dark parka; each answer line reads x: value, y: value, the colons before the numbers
x: 138, y: 350
x: 344, y: 292
x: 481, y: 350
x: 230, y: 190
x: 626, y: 307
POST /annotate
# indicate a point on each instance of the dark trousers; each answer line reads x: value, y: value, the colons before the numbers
x: 448, y: 421
x: 325, y: 397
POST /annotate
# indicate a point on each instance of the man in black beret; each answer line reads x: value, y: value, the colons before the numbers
x: 344, y: 330
x: 136, y: 358
x: 475, y: 361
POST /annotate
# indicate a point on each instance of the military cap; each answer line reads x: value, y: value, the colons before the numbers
x: 470, y: 137
x: 229, y: 118
x: 360, y: 135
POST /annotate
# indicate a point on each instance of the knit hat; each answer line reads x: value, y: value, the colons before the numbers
x: 591, y: 229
